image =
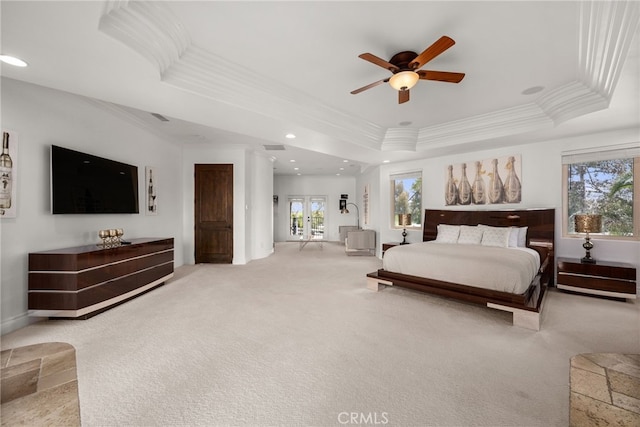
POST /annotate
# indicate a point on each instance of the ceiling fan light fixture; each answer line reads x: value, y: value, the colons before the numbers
x: 404, y: 80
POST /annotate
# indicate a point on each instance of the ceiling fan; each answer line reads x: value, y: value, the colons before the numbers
x: 406, y: 65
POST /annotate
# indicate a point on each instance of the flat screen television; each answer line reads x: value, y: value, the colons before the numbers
x: 85, y: 184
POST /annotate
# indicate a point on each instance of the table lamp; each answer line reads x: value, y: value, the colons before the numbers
x: 404, y: 220
x: 588, y: 223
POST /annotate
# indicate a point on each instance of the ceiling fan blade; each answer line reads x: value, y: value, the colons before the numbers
x: 369, y: 86
x: 441, y: 76
x: 442, y: 44
x: 403, y: 96
x: 379, y: 62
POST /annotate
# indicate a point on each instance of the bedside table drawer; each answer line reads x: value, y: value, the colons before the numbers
x: 596, y: 282
x: 605, y: 278
x: 598, y: 270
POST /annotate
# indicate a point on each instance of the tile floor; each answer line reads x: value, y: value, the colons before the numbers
x: 40, y: 385
x: 605, y: 389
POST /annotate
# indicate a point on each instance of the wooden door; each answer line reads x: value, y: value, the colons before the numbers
x: 214, y: 213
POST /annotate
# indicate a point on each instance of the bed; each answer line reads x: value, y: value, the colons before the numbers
x: 520, y: 291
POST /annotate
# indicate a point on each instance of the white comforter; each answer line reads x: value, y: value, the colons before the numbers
x: 501, y: 269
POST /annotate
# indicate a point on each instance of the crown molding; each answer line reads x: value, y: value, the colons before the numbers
x: 497, y: 124
x: 606, y: 31
x: 400, y: 139
x: 149, y: 28
x: 206, y: 74
x: 571, y: 100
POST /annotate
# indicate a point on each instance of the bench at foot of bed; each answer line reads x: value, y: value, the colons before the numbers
x: 528, y: 317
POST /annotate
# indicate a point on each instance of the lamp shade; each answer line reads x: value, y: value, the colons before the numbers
x: 404, y: 220
x: 404, y: 80
x: 588, y: 223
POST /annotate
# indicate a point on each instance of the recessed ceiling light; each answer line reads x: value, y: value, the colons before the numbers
x: 386, y: 161
x: 12, y: 60
x: 532, y: 90
x: 295, y: 169
x: 337, y: 174
x: 341, y: 169
x: 299, y: 174
x: 292, y: 161
x: 289, y: 136
x: 345, y: 161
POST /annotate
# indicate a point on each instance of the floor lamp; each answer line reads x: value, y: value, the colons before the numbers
x: 344, y: 210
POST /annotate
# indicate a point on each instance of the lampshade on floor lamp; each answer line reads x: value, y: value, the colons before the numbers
x: 588, y: 224
x: 404, y: 220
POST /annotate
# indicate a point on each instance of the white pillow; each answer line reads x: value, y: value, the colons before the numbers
x: 518, y: 237
x: 470, y: 235
x: 495, y: 236
x: 447, y: 233
x: 513, y: 237
x: 522, y: 237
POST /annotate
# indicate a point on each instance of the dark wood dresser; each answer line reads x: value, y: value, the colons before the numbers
x: 82, y: 281
x: 606, y: 278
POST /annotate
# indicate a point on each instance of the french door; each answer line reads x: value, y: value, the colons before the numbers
x: 307, y: 217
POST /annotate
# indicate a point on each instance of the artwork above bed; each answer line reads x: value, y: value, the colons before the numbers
x: 489, y: 181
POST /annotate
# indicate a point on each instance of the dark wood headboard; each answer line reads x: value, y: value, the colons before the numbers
x: 541, y: 223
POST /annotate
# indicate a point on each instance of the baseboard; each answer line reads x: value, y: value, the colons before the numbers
x: 16, y: 323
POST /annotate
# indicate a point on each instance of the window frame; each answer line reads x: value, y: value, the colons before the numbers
x: 593, y: 157
x: 393, y: 177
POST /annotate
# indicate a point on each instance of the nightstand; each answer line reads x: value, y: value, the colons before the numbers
x: 606, y: 278
x: 388, y: 245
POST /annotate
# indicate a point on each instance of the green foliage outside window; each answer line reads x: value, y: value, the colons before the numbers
x: 407, y: 198
x: 603, y: 187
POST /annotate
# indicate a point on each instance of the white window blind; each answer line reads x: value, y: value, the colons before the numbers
x: 406, y: 175
x: 597, y: 154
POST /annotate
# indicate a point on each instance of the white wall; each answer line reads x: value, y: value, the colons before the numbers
x: 378, y: 213
x: 39, y: 117
x: 541, y: 187
x: 260, y: 206
x: 252, y: 195
x: 330, y: 186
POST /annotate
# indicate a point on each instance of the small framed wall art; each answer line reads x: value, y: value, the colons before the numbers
x: 8, y: 174
x: 365, y: 204
x: 151, y: 204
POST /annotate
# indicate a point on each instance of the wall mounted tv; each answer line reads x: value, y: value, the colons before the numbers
x: 85, y: 184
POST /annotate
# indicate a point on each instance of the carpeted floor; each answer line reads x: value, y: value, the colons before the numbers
x: 297, y: 339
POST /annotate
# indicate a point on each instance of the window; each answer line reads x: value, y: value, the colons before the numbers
x: 603, y: 183
x: 406, y: 195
